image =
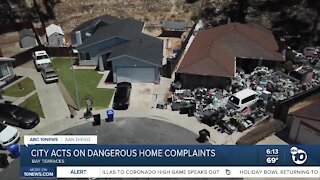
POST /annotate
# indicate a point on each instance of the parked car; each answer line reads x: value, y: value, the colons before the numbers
x: 242, y: 99
x: 49, y: 75
x: 121, y: 99
x: 8, y: 135
x: 310, y: 52
x: 18, y: 116
x: 41, y: 59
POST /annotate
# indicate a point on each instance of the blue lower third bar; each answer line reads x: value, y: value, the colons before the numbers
x: 43, y: 172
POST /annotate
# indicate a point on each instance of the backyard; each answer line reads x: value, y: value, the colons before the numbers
x: 87, y: 81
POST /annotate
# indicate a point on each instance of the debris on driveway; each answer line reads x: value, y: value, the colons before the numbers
x: 210, y: 105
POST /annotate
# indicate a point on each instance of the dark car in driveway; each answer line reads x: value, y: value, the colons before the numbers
x: 121, y: 98
x: 18, y: 116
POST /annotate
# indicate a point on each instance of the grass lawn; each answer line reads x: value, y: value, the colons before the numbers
x: 87, y: 81
x: 33, y: 104
x: 27, y: 85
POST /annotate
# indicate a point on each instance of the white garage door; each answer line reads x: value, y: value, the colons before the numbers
x: 307, y: 136
x: 136, y: 75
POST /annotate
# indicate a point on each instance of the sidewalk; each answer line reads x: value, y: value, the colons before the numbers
x: 22, y: 99
x: 53, y: 104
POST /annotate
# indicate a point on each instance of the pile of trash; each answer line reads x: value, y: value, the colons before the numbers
x: 210, y: 106
x: 282, y: 86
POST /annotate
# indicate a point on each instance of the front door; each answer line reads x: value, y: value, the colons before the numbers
x: 107, y: 64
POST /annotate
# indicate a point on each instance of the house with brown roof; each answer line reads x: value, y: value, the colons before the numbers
x: 214, y: 54
x: 304, y: 124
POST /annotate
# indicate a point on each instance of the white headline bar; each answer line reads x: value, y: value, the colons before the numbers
x: 60, y: 139
x: 187, y: 172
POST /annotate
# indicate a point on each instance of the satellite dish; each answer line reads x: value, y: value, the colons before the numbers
x: 88, y: 34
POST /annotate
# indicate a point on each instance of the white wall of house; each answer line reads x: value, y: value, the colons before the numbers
x: 304, y: 131
x: 56, y: 40
x: 6, y: 71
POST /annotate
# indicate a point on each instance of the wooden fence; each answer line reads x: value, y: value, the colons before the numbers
x: 26, y: 56
x: 6, y: 28
x: 169, y: 68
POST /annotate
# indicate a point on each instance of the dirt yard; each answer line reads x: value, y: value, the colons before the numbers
x: 9, y: 44
x: 71, y: 13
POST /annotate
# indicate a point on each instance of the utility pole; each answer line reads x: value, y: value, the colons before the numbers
x: 74, y: 79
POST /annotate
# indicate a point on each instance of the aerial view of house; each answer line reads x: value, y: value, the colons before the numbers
x: 159, y: 89
x: 119, y: 45
x: 214, y: 54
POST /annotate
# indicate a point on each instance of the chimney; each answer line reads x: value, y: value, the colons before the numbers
x: 282, y: 45
x: 78, y: 37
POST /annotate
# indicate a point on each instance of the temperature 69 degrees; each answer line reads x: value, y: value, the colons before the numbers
x: 272, y: 156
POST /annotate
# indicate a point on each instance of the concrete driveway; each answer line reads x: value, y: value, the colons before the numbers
x: 141, y: 95
x: 53, y: 104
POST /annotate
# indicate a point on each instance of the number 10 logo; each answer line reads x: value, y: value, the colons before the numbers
x: 298, y: 156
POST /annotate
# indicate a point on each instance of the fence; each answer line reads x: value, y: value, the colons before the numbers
x: 26, y: 56
x: 6, y: 28
x: 168, y: 69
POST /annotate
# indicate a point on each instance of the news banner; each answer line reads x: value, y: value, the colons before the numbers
x: 82, y: 157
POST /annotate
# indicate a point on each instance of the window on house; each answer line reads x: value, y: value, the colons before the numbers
x: 4, y: 71
x: 85, y: 56
x: 248, y: 99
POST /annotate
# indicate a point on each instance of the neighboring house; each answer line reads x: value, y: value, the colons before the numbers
x: 55, y: 36
x: 119, y: 45
x: 173, y: 28
x: 214, y: 54
x: 6, y: 70
x: 305, y: 124
x: 27, y: 38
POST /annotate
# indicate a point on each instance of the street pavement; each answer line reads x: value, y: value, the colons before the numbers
x: 122, y: 131
x: 135, y: 130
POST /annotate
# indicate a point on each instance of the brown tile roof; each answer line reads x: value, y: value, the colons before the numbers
x: 310, y: 115
x: 309, y: 112
x: 213, y: 51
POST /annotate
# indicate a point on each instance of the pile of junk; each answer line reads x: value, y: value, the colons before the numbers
x: 223, y: 108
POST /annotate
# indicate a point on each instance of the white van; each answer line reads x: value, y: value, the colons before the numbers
x: 8, y: 135
x: 242, y: 99
x: 41, y: 59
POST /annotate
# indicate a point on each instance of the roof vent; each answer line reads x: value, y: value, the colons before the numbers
x: 88, y: 34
